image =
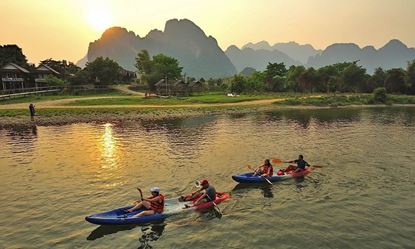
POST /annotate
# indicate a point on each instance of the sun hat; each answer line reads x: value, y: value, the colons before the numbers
x: 155, y: 189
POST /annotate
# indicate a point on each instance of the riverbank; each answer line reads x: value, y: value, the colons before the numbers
x: 121, y: 108
x: 18, y: 118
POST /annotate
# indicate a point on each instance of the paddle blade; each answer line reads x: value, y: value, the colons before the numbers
x: 317, y: 166
x: 276, y: 160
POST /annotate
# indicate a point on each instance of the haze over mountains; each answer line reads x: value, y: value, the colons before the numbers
x: 200, y: 55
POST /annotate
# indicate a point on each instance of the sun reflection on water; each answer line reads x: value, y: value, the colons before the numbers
x: 109, y: 148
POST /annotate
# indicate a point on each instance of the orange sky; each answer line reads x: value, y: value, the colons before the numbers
x: 62, y: 29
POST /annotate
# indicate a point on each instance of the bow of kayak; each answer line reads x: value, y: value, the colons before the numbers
x: 171, y: 207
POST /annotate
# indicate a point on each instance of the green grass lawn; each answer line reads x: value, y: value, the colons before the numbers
x: 39, y: 98
x: 198, y: 99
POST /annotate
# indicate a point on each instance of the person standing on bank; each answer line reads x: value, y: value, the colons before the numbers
x: 32, y: 111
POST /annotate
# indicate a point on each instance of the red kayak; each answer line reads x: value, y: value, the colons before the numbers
x: 220, y: 197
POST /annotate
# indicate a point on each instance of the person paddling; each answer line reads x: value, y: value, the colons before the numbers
x: 206, y: 193
x: 301, y: 164
x: 153, y: 204
x: 265, y: 170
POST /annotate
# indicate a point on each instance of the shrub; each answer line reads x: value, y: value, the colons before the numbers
x: 379, y: 95
x: 54, y: 81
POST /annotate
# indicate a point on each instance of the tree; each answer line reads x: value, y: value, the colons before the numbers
x: 238, y: 83
x: 13, y: 54
x: 159, y: 67
x: 64, y: 67
x: 410, y: 77
x: 143, y: 63
x: 167, y: 66
x: 395, y: 80
x: 255, y: 82
x: 81, y: 77
x: 379, y: 95
x: 308, y: 79
x: 275, y: 76
x: 52, y: 80
x: 376, y: 80
x: 103, y: 71
x: 354, y: 77
x: 293, y: 76
x: 328, y: 76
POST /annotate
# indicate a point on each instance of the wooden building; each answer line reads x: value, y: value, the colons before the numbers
x: 128, y: 76
x: 178, y: 88
x: 196, y: 86
x: 181, y: 88
x: 14, y: 76
x: 42, y: 72
x: 163, y: 88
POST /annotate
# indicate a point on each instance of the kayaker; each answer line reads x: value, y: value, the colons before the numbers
x: 301, y: 164
x: 206, y: 193
x: 265, y: 170
x: 154, y: 204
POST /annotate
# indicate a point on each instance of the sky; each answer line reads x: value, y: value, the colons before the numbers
x: 62, y: 29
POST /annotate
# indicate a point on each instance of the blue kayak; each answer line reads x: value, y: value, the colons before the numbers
x: 119, y: 217
x: 171, y: 207
x: 250, y: 178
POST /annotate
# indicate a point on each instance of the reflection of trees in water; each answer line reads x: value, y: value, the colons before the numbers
x: 305, y: 116
x: 22, y: 140
x: 185, y: 135
x: 393, y: 115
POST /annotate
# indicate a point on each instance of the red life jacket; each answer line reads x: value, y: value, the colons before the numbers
x: 158, y: 206
x: 268, y: 168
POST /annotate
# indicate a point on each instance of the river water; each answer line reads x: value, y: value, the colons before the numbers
x: 363, y: 197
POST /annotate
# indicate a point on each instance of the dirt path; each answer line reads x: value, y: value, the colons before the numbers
x: 60, y: 104
x: 125, y: 89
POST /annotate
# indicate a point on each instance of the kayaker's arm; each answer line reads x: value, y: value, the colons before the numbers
x: 154, y: 199
x: 201, y: 197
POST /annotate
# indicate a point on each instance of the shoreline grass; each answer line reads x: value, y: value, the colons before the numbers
x: 345, y: 100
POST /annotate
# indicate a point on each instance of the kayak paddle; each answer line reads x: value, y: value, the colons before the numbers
x: 266, y: 179
x: 141, y: 193
x: 276, y: 160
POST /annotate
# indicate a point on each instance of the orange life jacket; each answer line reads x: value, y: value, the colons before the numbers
x: 158, y: 206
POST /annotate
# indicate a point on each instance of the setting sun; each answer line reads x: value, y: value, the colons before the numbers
x: 99, y: 17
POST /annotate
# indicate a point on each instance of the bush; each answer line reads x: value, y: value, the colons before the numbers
x: 379, y: 95
x: 54, y: 81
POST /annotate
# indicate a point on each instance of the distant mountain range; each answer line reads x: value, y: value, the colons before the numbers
x: 200, y: 55
x: 394, y: 54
